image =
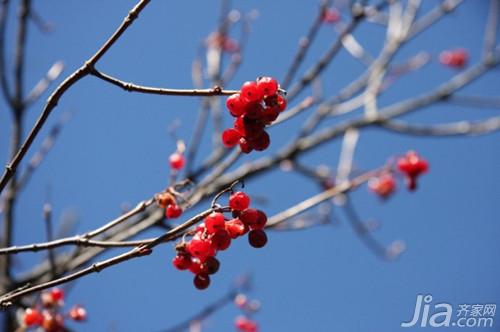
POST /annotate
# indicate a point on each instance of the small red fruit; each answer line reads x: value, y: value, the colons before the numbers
x: 200, y: 248
x: 57, y: 294
x: 212, y: 265
x: 201, y: 281
x: 32, y: 317
x: 244, y: 324
x: 383, y: 185
x: 230, y: 137
x: 214, y: 222
x: 221, y: 240
x: 250, y: 92
x: 78, y: 313
x: 268, y: 86
x: 173, y: 211
x: 236, y: 105
x: 257, y: 238
x: 182, y: 261
x: 236, y: 228
x: 177, y: 160
x: 239, y: 201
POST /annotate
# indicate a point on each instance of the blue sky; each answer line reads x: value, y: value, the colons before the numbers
x: 115, y: 150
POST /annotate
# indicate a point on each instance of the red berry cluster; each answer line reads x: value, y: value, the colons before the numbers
x: 412, y: 166
x: 168, y: 202
x: 243, y: 323
x: 215, y: 234
x: 48, y: 316
x: 383, y: 185
x: 258, y: 104
x: 454, y: 58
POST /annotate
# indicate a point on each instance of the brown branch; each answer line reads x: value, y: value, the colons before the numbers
x: 84, y: 240
x: 81, y: 72
x: 215, y: 91
x: 138, y: 251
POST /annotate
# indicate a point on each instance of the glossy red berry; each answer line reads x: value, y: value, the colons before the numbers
x: 221, y: 240
x: 212, y: 264
x: 261, y: 142
x: 250, y: 92
x: 235, y: 228
x: 254, y: 110
x: 182, y: 261
x: 197, y: 267
x: 52, y: 322
x: 78, y: 313
x: 249, y: 216
x: 201, y: 281
x: 412, y: 165
x: 214, y: 222
x: 257, y: 238
x: 261, y: 221
x: 32, y: 317
x: 236, y: 105
x: 173, y: 211
x: 239, y: 201
x: 230, y: 137
x: 245, y: 145
x: 200, y: 248
x: 268, y: 86
x: 57, y: 294
x: 177, y: 160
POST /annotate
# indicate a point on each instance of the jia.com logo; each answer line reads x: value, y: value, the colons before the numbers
x: 427, y: 314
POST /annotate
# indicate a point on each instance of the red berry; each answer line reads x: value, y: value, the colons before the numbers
x: 276, y: 101
x: 200, y: 248
x: 254, y: 110
x: 244, y: 324
x: 261, y: 221
x: 52, y: 322
x: 262, y: 141
x: 57, y: 294
x: 383, y: 186
x: 173, y: 211
x: 32, y: 317
x: 182, y: 261
x: 239, y: 201
x: 221, y: 240
x: 412, y: 165
x: 331, y: 15
x: 257, y: 238
x: 78, y: 313
x: 214, y: 222
x: 250, y: 92
x: 236, y: 105
x: 249, y: 216
x: 245, y: 145
x: 177, y: 160
x: 270, y: 114
x: 268, y: 86
x: 230, y: 137
x: 212, y: 265
x: 197, y: 267
x: 236, y: 228
x: 201, y: 281
x: 239, y: 125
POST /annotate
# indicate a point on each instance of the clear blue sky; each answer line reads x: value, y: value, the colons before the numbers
x: 115, y: 148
